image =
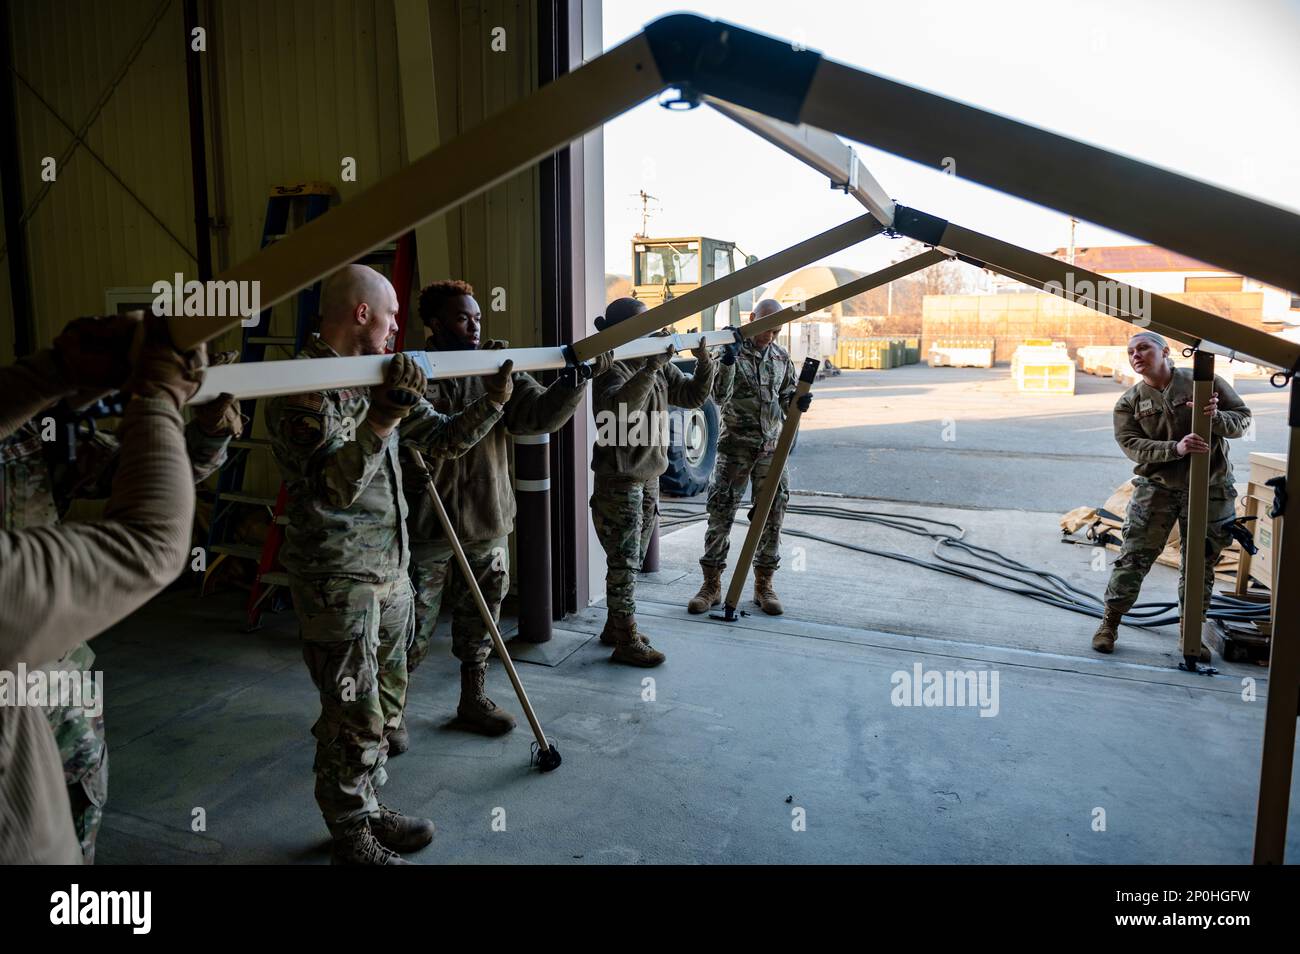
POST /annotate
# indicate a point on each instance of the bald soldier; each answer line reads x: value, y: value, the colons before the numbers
x: 753, y: 390
x: 1153, y: 426
x: 346, y: 551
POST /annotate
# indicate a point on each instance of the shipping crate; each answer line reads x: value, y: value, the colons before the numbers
x: 1259, y: 498
x: 1043, y: 369
x: 962, y: 353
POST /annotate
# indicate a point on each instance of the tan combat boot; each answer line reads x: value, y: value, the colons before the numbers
x: 399, y: 740
x: 359, y: 847
x: 710, y: 594
x: 1104, y: 639
x: 607, y: 634
x: 631, y: 647
x: 476, y: 711
x: 764, y: 595
x: 397, y: 832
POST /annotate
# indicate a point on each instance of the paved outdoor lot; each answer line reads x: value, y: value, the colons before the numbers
x: 881, y: 434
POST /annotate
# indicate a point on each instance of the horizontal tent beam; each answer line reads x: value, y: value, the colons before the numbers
x: 823, y: 151
x: 263, y: 379
x: 1090, y: 183
x: 840, y: 293
x: 720, y: 289
x: 1173, y: 317
x: 626, y: 339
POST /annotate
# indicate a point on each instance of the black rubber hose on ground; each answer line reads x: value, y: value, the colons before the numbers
x: 1045, y: 586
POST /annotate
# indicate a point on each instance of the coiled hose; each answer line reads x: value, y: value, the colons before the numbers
x: 989, y: 567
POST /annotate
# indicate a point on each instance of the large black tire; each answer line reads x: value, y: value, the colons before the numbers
x: 692, y: 450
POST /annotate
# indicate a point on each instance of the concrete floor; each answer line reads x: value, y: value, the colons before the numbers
x: 710, y: 757
x: 744, y: 724
x: 881, y: 434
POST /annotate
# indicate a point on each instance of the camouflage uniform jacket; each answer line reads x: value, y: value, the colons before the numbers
x: 347, y: 514
x: 753, y: 395
x: 1149, y: 423
x: 475, y: 488
x: 630, y: 387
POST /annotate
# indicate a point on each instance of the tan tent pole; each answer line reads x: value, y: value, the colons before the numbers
x: 547, y: 756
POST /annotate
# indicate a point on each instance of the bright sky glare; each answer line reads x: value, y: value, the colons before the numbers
x: 1209, y: 89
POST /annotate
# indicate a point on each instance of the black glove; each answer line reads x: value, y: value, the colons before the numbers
x: 729, y: 353
x: 804, y: 403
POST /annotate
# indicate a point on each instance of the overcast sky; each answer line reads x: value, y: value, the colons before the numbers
x: 1210, y: 89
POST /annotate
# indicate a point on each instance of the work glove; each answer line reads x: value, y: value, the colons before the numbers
x: 94, y: 354
x: 702, y: 356
x: 804, y: 402
x: 402, y: 389
x: 602, y: 363
x: 222, y: 417
x: 158, y: 369
x: 657, y: 362
x: 501, y: 385
x: 730, y: 352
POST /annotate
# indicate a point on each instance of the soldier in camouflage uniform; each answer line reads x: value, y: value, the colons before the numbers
x: 1153, y: 426
x: 35, y: 490
x: 346, y: 550
x: 631, y: 405
x: 480, y: 502
x: 753, y: 389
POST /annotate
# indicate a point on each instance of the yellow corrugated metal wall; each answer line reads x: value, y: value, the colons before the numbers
x: 292, y: 88
x: 295, y: 86
x: 87, y: 233
x: 492, y: 238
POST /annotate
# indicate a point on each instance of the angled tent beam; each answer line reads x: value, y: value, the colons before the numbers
x: 720, y: 289
x: 773, y: 78
x: 1105, y: 307
x: 1178, y: 318
x: 843, y: 292
x: 1124, y: 194
x: 272, y: 378
x: 473, y: 162
x: 824, y: 151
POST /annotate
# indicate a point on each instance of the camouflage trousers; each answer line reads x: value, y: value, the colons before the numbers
x: 354, y: 640
x: 436, y: 574
x: 624, y: 518
x: 80, y: 738
x: 734, y: 471
x: 1152, y: 511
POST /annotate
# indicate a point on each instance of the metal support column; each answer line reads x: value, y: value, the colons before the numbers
x: 533, y: 536
x: 1283, y: 674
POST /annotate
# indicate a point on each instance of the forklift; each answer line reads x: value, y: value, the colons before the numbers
x: 663, y: 268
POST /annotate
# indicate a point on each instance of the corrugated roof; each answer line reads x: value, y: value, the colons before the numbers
x: 1135, y: 258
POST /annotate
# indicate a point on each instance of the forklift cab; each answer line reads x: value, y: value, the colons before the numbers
x: 663, y: 268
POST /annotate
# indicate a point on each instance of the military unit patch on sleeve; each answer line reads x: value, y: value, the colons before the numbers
x: 305, y: 430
